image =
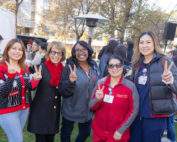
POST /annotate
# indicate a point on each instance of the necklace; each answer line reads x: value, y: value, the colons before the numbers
x: 84, y: 65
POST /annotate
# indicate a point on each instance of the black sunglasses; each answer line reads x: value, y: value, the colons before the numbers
x: 111, y: 66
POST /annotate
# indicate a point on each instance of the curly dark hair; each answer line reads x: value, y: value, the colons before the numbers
x: 86, y: 46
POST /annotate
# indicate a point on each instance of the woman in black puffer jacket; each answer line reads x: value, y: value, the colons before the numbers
x: 155, y: 77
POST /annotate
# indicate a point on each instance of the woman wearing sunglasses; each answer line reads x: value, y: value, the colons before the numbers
x: 45, y: 108
x: 116, y: 102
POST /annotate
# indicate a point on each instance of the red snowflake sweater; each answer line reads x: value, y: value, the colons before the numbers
x: 15, y: 90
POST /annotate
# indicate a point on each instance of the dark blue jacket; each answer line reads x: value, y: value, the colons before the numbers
x: 129, y: 54
x: 102, y: 52
x: 103, y: 71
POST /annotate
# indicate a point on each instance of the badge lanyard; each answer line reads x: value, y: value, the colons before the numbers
x: 143, y: 79
x: 110, y: 90
x: 144, y: 72
x: 109, y: 98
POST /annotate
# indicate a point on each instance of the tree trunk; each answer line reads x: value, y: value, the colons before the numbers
x: 16, y: 12
x: 127, y: 14
x: 77, y: 37
x: 15, y: 26
x: 122, y: 37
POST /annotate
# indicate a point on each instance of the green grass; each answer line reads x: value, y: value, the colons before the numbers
x: 29, y: 137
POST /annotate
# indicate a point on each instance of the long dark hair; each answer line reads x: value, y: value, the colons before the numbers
x: 5, y: 56
x: 173, y: 52
x: 37, y: 41
x: 121, y: 51
x: 110, y: 47
x: 86, y: 46
x: 174, y: 58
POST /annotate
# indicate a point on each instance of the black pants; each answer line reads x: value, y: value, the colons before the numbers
x: 67, y: 127
x: 44, y: 138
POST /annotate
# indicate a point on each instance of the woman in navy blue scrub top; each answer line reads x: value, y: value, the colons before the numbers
x: 155, y: 77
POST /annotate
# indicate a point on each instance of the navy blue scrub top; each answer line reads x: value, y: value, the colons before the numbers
x: 143, y: 90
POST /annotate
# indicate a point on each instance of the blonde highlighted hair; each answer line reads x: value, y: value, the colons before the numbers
x: 58, y: 45
x: 137, y: 54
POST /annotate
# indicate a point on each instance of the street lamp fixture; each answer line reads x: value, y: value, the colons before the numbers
x: 91, y: 22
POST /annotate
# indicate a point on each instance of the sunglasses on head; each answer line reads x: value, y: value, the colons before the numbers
x: 111, y: 66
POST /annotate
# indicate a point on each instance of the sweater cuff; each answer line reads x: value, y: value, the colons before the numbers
x: 11, y: 75
x: 69, y: 84
x: 34, y: 83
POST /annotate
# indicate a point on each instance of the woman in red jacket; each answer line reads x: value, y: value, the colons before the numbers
x: 116, y: 102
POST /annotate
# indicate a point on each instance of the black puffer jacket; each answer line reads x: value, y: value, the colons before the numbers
x: 162, y: 99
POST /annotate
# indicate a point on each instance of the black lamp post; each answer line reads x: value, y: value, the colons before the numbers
x: 91, y: 22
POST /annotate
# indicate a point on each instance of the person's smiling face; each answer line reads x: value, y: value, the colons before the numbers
x: 15, y: 53
x: 115, y: 68
x: 81, y: 53
x: 146, y: 45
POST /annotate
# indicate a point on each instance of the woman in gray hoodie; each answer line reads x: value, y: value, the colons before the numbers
x: 77, y: 82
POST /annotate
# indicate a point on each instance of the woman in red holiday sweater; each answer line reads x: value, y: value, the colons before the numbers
x: 116, y: 102
x: 15, y: 86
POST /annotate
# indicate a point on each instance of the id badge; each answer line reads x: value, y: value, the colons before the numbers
x: 108, y: 98
x: 142, y: 80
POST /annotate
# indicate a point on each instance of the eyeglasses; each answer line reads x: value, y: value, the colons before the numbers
x: 111, y: 66
x: 58, y: 53
x: 79, y: 51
